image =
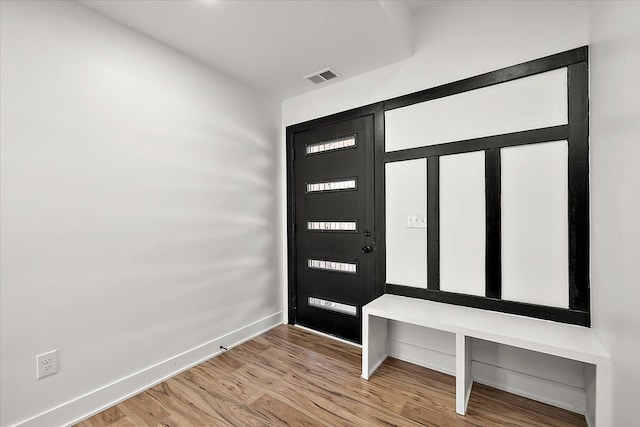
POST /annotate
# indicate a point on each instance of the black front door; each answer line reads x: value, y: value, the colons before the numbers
x: 333, y: 244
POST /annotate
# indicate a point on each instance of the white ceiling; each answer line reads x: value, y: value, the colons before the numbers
x: 272, y: 45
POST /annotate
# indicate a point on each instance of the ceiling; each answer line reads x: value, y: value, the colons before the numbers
x: 272, y: 45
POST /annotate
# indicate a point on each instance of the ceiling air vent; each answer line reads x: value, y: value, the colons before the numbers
x: 322, y: 76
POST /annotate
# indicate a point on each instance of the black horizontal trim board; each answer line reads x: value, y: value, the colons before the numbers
x: 574, y: 317
x: 514, y: 72
x: 534, y: 136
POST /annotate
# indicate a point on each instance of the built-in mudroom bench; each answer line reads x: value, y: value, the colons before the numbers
x: 558, y: 339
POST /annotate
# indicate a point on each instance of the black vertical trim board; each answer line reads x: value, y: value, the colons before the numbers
x: 380, y: 253
x: 578, y: 164
x: 433, y: 223
x: 291, y: 235
x: 493, y: 250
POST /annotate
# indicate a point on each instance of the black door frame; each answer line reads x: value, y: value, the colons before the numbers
x: 376, y: 111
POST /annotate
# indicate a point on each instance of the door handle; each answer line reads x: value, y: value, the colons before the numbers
x: 367, y: 249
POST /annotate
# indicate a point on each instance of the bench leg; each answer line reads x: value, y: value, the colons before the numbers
x: 464, y: 382
x: 374, y: 343
x: 603, y: 396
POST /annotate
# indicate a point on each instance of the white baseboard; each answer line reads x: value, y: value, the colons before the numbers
x: 98, y: 400
x: 553, y: 393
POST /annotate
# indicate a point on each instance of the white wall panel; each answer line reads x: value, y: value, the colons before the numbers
x: 462, y: 223
x: 527, y: 103
x: 535, y: 224
x: 406, y: 194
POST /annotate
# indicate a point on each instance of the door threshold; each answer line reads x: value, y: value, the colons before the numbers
x: 313, y: 331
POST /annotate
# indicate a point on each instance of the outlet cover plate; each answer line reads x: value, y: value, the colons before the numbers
x: 47, y: 364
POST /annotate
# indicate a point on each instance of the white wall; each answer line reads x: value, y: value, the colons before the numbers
x: 455, y: 40
x: 614, y: 33
x: 139, y: 210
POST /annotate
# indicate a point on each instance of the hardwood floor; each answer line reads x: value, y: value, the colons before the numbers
x: 291, y: 377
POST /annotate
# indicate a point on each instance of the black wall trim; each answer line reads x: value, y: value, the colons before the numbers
x: 575, y: 132
x: 493, y: 251
x: 574, y: 317
x: 578, y: 141
x: 433, y: 223
x: 554, y: 133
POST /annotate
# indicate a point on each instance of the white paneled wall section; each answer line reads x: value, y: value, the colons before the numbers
x: 405, y: 198
x: 462, y: 223
x: 534, y: 219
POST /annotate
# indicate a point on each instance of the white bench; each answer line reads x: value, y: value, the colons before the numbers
x: 568, y: 341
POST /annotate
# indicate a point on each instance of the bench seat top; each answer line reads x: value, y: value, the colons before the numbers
x: 559, y: 339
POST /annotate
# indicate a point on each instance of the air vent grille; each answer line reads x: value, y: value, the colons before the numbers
x: 322, y: 76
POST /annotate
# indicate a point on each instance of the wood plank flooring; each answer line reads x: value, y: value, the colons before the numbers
x: 290, y: 377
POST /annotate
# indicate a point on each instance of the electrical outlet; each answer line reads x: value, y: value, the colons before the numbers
x: 46, y: 364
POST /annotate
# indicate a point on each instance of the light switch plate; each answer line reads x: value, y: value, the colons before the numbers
x: 416, y: 221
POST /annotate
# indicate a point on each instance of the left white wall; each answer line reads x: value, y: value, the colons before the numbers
x: 139, y: 211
